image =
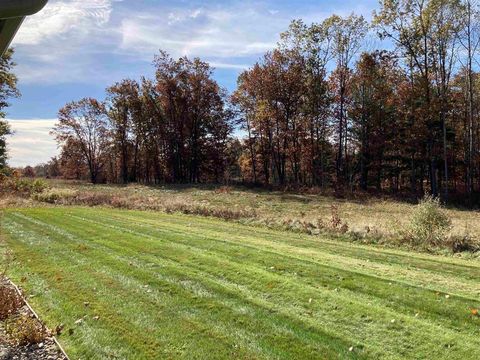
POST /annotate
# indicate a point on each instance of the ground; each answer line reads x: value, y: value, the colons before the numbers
x: 144, y: 284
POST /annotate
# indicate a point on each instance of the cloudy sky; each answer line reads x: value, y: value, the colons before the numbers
x: 76, y: 48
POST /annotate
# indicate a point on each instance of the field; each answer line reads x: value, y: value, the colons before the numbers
x: 384, y: 216
x: 140, y: 284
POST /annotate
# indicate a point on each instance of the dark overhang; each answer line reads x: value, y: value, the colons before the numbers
x: 12, y: 14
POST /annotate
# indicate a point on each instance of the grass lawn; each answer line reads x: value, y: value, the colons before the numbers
x: 176, y: 286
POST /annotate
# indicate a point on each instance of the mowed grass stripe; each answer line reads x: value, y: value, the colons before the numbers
x: 411, y: 300
x: 316, y: 340
x: 449, y: 266
x: 391, y: 273
x: 287, y: 292
x: 52, y: 270
x: 424, y: 260
x: 202, y: 276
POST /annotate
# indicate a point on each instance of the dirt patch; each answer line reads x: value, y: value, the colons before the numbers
x: 22, y: 335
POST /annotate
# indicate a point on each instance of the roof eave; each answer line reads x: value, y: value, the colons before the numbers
x: 8, y: 29
x: 20, y: 8
x: 12, y: 14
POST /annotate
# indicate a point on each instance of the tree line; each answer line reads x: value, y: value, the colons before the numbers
x: 172, y: 129
x: 325, y: 108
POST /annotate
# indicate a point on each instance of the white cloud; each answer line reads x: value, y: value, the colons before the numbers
x: 60, y: 43
x: 224, y: 65
x: 237, y: 31
x: 31, y: 143
x: 64, y: 19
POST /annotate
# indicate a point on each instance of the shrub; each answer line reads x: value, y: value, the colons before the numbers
x: 23, y: 187
x: 38, y: 186
x: 25, y: 330
x: 429, y: 225
x: 10, y: 301
x: 336, y: 222
x: 53, y: 196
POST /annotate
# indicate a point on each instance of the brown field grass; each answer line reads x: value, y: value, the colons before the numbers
x: 372, y: 215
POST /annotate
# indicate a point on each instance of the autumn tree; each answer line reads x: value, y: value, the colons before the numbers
x: 192, y: 120
x: 347, y: 34
x: 85, y: 122
x: 426, y: 31
x: 28, y: 172
x: 469, y: 39
x: 275, y: 89
x: 377, y: 123
x: 317, y: 110
x: 124, y: 108
x: 174, y: 128
x: 8, y: 89
x: 72, y: 161
x: 315, y: 43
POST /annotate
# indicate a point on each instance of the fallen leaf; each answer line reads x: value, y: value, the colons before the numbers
x: 59, y: 328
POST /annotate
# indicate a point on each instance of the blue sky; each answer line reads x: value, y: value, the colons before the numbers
x: 76, y: 48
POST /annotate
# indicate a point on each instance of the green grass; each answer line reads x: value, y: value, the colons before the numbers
x: 176, y: 286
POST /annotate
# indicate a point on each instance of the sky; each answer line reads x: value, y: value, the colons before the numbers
x: 76, y: 48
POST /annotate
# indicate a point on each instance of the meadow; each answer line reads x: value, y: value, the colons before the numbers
x: 146, y: 282
x: 376, y: 215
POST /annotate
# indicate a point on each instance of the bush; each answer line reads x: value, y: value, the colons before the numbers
x: 25, y: 330
x: 429, y: 225
x: 53, y: 196
x: 38, y: 186
x: 10, y: 301
x: 23, y: 187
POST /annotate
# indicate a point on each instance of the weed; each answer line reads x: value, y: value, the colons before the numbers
x: 22, y: 187
x: 223, y: 190
x: 462, y: 243
x: 38, y: 186
x: 7, y: 261
x: 335, y: 221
